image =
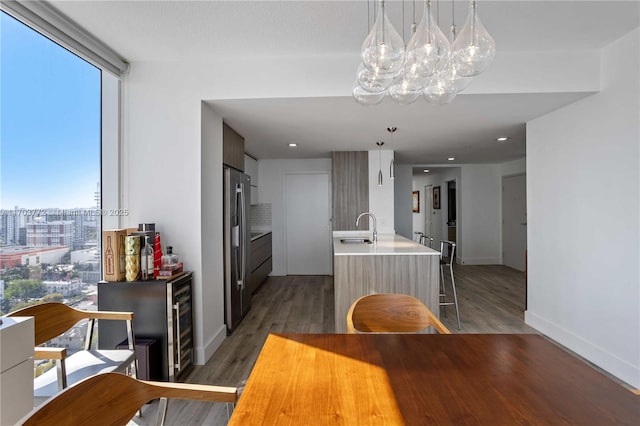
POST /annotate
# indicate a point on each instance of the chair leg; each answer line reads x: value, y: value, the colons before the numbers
x: 444, y: 293
x: 455, y: 296
x: 162, y: 411
x: 230, y: 407
x: 61, y: 371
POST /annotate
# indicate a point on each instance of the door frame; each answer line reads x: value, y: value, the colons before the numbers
x: 502, y: 236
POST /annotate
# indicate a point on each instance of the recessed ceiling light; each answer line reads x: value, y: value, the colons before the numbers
x: 451, y: 158
x: 503, y: 139
x: 293, y: 145
x: 426, y: 170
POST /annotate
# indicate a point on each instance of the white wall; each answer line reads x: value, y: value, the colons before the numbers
x: 161, y: 178
x: 479, y: 208
x: 213, y: 330
x: 514, y: 167
x: 479, y: 214
x: 272, y: 180
x: 583, y: 190
x: 381, y: 197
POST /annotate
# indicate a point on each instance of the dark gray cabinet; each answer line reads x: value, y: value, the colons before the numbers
x: 261, y: 260
x: 350, y: 189
x: 162, y: 312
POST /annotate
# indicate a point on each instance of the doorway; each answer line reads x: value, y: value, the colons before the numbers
x: 514, y: 221
x: 452, y: 213
x: 307, y: 225
x: 428, y: 217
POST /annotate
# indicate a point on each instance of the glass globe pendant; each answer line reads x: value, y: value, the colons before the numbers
x: 428, y: 46
x: 364, y: 97
x: 372, y: 82
x: 406, y: 87
x: 473, y: 49
x: 447, y: 79
x: 442, y: 88
x: 383, y: 50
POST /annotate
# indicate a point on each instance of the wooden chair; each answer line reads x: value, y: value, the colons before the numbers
x: 391, y: 313
x: 54, y: 319
x: 114, y: 398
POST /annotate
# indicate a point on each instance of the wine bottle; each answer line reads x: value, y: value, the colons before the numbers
x: 146, y: 259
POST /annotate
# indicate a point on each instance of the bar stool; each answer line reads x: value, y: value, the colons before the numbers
x: 447, y: 254
x: 417, y: 236
x: 427, y: 240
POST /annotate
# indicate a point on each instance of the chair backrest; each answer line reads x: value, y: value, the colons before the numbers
x: 114, y: 398
x: 391, y: 313
x: 53, y: 319
x: 427, y: 240
x: 50, y: 319
x: 447, y: 251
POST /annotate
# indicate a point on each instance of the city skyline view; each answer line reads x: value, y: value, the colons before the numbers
x: 50, y: 115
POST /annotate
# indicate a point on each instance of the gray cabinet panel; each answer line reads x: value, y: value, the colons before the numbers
x: 261, y: 261
x: 232, y: 148
x: 350, y: 189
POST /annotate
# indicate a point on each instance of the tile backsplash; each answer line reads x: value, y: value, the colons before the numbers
x: 261, y: 217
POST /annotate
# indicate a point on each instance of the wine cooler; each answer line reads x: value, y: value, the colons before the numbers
x: 162, y: 312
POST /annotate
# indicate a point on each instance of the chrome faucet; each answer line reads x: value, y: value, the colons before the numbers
x: 375, y: 228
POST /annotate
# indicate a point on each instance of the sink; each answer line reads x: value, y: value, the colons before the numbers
x: 356, y: 241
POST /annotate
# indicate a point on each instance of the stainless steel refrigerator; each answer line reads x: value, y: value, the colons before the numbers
x: 237, y: 237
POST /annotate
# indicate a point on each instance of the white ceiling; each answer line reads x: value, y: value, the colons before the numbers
x: 467, y: 128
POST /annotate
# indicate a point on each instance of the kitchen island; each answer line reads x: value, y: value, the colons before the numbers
x: 393, y: 264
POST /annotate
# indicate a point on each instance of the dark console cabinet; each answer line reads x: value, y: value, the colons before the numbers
x: 162, y: 312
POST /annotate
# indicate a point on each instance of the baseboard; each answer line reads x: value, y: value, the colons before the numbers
x: 478, y: 261
x: 204, y: 354
x: 609, y: 362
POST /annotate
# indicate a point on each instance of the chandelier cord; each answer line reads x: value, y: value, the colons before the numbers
x: 414, y: 11
x: 404, y: 36
x: 413, y: 23
x: 453, y: 21
x: 383, y: 15
x: 473, y: 24
x: 368, y: 16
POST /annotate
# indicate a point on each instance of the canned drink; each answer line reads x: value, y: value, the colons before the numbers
x: 132, y: 267
x: 132, y: 245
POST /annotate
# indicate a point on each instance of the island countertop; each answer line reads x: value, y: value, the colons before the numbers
x: 388, y: 245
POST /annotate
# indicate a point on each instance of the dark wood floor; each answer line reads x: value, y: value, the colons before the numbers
x: 491, y: 299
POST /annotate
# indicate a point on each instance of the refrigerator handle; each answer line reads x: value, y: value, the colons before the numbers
x: 243, y: 236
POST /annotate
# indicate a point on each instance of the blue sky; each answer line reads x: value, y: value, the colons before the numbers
x: 49, y: 122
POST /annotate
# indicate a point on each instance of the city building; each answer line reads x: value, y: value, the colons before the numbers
x: 41, y: 233
x: 66, y: 288
x: 12, y: 256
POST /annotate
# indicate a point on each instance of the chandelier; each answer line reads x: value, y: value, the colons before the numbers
x: 429, y: 65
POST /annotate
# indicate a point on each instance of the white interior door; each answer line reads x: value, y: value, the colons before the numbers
x: 514, y: 221
x: 308, y: 235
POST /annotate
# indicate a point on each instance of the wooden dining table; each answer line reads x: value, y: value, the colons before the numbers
x: 427, y: 379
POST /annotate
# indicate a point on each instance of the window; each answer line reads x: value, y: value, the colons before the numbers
x: 50, y: 170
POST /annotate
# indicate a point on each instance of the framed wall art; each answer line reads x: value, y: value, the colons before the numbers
x: 415, y: 202
x: 436, y: 197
